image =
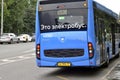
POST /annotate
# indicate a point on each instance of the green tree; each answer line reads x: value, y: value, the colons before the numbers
x: 19, y: 16
x: 29, y: 17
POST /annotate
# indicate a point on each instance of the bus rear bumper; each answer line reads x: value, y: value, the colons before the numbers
x: 85, y: 63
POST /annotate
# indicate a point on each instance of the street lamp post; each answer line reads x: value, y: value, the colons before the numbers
x: 2, y: 17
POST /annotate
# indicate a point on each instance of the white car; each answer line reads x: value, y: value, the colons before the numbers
x: 24, y: 38
x: 8, y: 38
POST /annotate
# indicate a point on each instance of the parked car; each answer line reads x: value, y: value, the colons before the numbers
x: 8, y: 38
x: 24, y: 38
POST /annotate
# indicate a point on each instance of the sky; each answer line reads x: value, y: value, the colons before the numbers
x: 114, y: 5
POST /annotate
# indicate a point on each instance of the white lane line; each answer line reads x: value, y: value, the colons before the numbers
x: 0, y: 78
x: 20, y: 56
x: 4, y: 60
x: 16, y: 59
x: 7, y: 60
x: 11, y: 58
x: 104, y: 77
x: 62, y: 78
x: 29, y: 51
x: 33, y: 54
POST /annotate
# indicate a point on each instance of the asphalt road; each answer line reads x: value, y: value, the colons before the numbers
x: 17, y: 62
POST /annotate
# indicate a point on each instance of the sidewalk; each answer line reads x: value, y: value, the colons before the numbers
x: 115, y: 74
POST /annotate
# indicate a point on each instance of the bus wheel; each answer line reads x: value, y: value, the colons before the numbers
x: 106, y: 64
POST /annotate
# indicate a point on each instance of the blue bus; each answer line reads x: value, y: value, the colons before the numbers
x: 75, y: 33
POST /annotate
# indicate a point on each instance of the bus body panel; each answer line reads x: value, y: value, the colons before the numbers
x: 75, y: 39
x: 37, y: 28
x: 91, y: 33
x: 64, y: 40
x: 44, y: 63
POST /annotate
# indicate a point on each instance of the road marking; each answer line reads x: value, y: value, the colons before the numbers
x: 5, y: 60
x: 16, y: 59
x: 104, y: 77
x: 62, y: 78
x: 33, y: 54
x: 29, y: 51
x: 20, y: 56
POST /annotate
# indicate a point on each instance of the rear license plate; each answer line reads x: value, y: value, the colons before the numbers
x: 64, y: 64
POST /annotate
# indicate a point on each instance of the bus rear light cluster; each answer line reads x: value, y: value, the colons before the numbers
x: 38, y: 51
x: 90, y: 50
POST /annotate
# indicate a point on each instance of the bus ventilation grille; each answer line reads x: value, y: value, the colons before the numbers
x: 64, y: 53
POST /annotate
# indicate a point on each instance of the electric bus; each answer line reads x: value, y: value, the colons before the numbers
x: 75, y: 33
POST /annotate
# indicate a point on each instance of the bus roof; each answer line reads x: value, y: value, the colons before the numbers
x: 108, y: 11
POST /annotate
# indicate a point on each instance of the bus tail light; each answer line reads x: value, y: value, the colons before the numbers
x: 90, y: 50
x: 38, y: 51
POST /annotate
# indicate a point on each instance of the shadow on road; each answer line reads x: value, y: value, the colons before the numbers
x: 75, y: 72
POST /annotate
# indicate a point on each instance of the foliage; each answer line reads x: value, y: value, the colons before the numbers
x: 19, y: 16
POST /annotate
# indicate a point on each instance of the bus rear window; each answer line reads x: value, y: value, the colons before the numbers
x: 63, y: 20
